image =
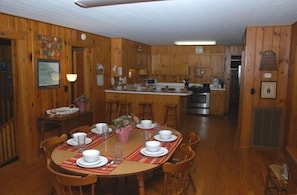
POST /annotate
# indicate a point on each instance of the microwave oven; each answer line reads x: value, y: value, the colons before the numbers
x: 151, y: 82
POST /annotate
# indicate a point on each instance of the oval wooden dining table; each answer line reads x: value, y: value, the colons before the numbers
x: 134, y: 162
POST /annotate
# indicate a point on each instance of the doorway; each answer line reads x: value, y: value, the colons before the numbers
x: 8, y: 151
x: 235, y: 71
x: 78, y: 68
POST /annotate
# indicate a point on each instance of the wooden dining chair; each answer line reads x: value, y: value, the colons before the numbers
x: 193, y: 141
x: 83, y: 128
x: 66, y: 184
x: 49, y: 144
x: 175, y: 175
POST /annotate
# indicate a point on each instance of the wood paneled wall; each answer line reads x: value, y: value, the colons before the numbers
x: 31, y: 101
x: 290, y: 122
x: 131, y: 56
x: 258, y: 40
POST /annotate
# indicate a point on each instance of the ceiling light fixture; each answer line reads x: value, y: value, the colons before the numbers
x: 97, y: 3
x: 195, y: 42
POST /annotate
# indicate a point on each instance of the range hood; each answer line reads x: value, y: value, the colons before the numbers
x: 97, y: 3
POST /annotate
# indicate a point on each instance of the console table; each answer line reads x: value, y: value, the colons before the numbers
x: 65, y: 123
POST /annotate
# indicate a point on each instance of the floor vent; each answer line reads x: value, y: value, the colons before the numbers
x: 267, y: 127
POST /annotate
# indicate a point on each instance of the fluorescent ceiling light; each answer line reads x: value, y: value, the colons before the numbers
x: 195, y: 42
x: 97, y: 3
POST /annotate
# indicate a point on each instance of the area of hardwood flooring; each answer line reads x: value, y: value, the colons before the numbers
x: 223, y: 168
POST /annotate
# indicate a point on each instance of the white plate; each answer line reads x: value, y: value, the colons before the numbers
x: 73, y: 143
x: 99, y: 133
x: 81, y: 163
x: 172, y: 138
x: 141, y: 127
x: 163, y: 151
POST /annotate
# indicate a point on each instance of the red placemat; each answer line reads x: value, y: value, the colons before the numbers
x: 71, y: 163
x: 96, y: 139
x: 137, y: 156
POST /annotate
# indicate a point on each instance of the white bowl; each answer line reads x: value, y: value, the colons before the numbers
x: 153, y: 146
x: 165, y: 134
x: 146, y: 123
x: 78, y: 135
x: 91, y: 155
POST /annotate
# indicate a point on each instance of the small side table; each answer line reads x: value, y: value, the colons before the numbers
x: 65, y: 123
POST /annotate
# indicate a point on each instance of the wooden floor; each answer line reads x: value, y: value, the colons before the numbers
x: 223, y: 168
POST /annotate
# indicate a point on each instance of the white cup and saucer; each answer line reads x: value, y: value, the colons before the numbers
x: 153, y: 149
x: 146, y: 124
x: 102, y: 128
x: 165, y: 135
x: 91, y: 158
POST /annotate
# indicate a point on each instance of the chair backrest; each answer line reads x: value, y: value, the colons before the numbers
x: 176, y: 175
x: 83, y: 128
x: 66, y: 184
x: 194, y: 140
x: 49, y: 144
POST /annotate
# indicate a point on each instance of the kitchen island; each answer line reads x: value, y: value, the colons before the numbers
x: 158, y: 98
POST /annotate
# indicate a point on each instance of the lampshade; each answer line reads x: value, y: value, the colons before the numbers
x: 71, y: 77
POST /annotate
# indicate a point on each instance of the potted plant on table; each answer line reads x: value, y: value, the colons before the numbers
x: 81, y: 102
x: 124, y: 125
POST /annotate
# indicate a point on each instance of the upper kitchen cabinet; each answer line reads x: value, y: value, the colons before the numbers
x: 130, y: 57
x: 172, y: 63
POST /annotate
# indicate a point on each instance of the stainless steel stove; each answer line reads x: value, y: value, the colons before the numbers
x: 199, y: 101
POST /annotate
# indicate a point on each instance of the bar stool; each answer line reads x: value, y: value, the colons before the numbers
x: 275, y: 181
x: 124, y: 108
x: 146, y: 110
x: 171, y: 115
x: 111, y: 110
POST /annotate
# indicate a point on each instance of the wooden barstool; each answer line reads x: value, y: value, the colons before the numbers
x: 275, y: 181
x: 124, y: 108
x: 171, y: 115
x: 146, y: 110
x: 111, y: 110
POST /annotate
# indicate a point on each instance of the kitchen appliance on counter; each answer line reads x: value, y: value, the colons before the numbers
x: 150, y: 82
x: 199, y: 101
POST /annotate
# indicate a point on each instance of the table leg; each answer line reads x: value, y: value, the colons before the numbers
x: 140, y: 179
x: 41, y: 137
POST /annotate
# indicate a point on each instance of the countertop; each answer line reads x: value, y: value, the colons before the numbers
x: 152, y: 92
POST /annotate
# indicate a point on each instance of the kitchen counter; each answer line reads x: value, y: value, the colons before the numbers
x: 159, y: 100
x: 218, y: 89
x: 152, y: 92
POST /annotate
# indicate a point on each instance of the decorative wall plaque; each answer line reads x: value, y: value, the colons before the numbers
x: 268, y: 61
x: 50, y: 45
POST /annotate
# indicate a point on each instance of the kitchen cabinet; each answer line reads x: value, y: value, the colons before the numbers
x: 217, y: 102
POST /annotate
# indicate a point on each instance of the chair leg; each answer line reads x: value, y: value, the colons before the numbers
x: 191, y: 180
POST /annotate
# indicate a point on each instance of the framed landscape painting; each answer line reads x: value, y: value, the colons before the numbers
x: 48, y: 73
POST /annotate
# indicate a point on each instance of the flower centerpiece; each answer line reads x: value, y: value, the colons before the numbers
x: 124, y: 125
x: 81, y: 101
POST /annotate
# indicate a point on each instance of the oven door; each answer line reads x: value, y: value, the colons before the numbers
x: 199, y: 100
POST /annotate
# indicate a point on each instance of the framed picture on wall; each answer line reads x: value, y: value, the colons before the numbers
x: 268, y: 89
x: 48, y: 73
